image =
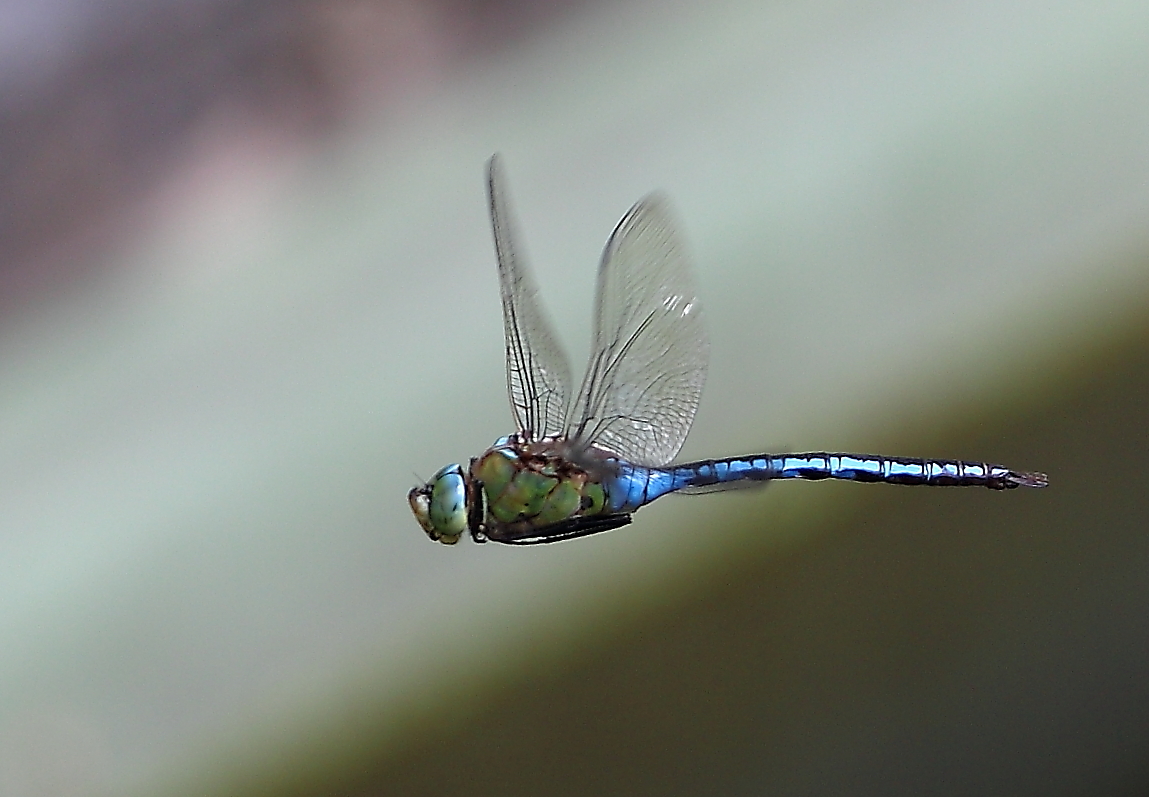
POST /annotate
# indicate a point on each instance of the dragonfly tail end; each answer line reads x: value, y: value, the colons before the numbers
x: 1027, y: 479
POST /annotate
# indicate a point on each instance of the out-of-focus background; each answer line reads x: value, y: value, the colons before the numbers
x: 247, y: 293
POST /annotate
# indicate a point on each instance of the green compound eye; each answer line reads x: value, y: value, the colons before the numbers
x: 440, y: 505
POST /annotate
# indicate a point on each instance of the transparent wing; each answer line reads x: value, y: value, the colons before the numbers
x: 538, y: 374
x: 649, y: 353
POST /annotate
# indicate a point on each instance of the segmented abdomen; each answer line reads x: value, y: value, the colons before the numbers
x: 897, y: 470
x: 636, y: 485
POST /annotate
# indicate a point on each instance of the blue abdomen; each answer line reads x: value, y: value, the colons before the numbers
x: 634, y: 486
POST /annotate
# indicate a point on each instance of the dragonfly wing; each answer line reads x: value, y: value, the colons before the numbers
x: 538, y: 374
x: 649, y: 352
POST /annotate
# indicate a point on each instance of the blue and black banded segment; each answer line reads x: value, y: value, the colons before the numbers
x: 896, y: 470
x: 635, y: 486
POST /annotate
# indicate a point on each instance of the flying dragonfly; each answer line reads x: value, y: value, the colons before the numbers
x: 583, y: 463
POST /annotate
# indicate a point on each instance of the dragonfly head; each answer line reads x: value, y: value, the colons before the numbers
x: 440, y: 505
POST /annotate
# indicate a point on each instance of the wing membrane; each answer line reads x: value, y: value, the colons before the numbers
x: 538, y: 374
x: 649, y: 352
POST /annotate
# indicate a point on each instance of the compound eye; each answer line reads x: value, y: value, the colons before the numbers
x: 446, y: 506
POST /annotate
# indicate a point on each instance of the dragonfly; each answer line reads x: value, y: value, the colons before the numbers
x: 582, y: 463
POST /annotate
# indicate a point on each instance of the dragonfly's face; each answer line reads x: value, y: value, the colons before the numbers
x: 440, y: 505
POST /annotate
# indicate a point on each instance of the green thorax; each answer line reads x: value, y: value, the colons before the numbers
x: 529, y: 487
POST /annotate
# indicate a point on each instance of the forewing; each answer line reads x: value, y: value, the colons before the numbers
x: 538, y: 374
x: 649, y: 352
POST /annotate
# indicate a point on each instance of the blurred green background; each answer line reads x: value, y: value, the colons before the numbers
x: 247, y: 294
